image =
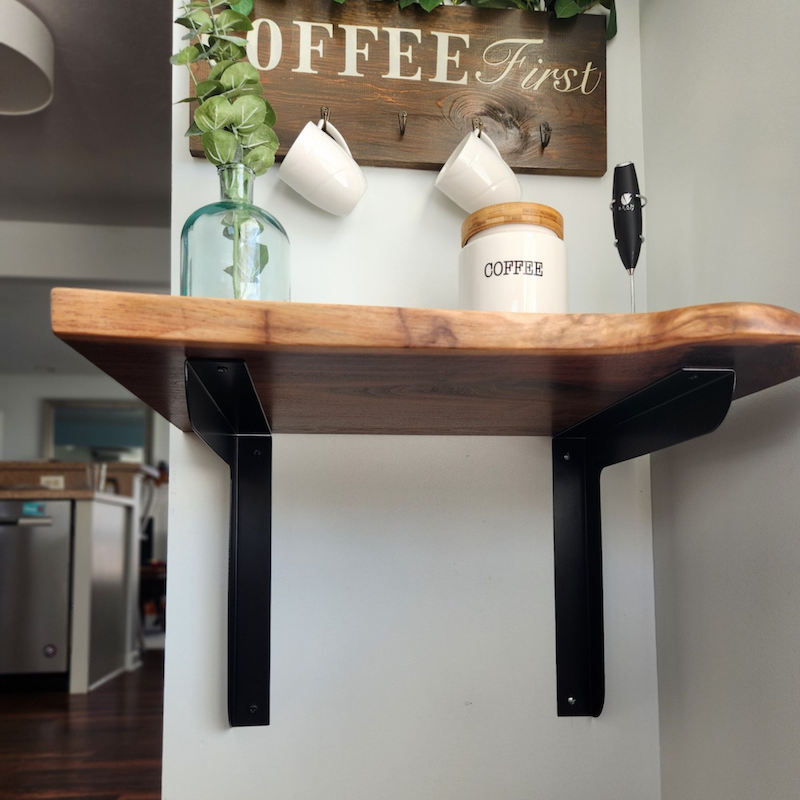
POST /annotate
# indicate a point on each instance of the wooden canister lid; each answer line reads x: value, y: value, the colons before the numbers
x: 512, y: 214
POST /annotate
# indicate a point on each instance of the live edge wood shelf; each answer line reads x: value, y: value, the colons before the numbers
x: 605, y: 387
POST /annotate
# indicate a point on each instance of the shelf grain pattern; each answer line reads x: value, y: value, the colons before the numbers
x: 381, y: 370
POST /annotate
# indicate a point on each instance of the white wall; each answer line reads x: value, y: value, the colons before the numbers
x: 721, y: 114
x: 49, y: 254
x: 83, y: 252
x: 22, y: 402
x: 413, y: 631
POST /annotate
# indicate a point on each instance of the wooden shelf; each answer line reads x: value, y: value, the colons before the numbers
x: 375, y: 370
x: 607, y: 387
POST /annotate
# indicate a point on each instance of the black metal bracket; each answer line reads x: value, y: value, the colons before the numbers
x: 682, y: 406
x: 226, y: 413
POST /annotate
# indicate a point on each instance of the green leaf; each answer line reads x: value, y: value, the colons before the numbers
x: 260, y: 159
x: 429, y: 5
x: 271, y: 117
x: 186, y: 56
x: 239, y: 41
x: 218, y: 69
x: 567, y: 8
x: 225, y: 50
x: 248, y: 114
x: 239, y: 75
x: 611, y: 25
x: 230, y: 20
x: 206, y: 89
x: 220, y: 147
x: 264, y: 135
x: 214, y: 114
x: 198, y: 21
x: 243, y: 7
x: 193, y: 130
x: 251, y: 88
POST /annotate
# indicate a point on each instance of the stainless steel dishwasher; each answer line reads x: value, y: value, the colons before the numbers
x: 35, y: 550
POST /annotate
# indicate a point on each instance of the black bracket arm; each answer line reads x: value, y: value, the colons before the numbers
x: 226, y: 413
x: 682, y: 406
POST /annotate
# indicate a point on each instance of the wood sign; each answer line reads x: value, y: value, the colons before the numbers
x: 373, y: 63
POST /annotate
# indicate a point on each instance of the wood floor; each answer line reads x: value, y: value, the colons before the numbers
x: 102, y: 746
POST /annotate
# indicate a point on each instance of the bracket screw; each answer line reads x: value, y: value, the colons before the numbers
x: 222, y: 369
x: 253, y: 708
x: 566, y: 456
x: 572, y: 701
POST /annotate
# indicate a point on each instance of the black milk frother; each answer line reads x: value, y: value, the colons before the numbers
x: 626, y: 210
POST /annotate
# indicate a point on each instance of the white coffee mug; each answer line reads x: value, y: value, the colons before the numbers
x: 476, y: 176
x: 320, y: 167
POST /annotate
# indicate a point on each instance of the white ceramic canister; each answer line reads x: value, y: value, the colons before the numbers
x: 513, y: 259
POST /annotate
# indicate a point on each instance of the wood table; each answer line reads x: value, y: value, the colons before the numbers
x: 606, y: 387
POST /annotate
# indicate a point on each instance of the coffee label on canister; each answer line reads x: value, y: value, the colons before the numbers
x: 498, y: 269
x: 514, y: 271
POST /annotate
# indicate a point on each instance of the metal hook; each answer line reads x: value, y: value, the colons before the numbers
x: 643, y: 201
x: 325, y: 115
x: 545, y: 130
x: 477, y: 125
x: 402, y: 117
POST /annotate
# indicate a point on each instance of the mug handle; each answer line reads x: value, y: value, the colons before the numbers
x: 337, y: 137
x: 484, y: 137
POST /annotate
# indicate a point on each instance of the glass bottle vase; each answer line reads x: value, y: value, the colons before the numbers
x: 233, y: 249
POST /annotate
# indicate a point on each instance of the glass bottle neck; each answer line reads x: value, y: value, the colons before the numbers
x: 236, y: 183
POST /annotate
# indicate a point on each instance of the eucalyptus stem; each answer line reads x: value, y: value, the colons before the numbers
x: 236, y: 272
x: 195, y: 38
x: 213, y: 18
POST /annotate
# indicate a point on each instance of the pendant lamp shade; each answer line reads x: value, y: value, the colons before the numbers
x: 26, y: 60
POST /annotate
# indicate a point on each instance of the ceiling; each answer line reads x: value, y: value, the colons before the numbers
x: 99, y: 154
